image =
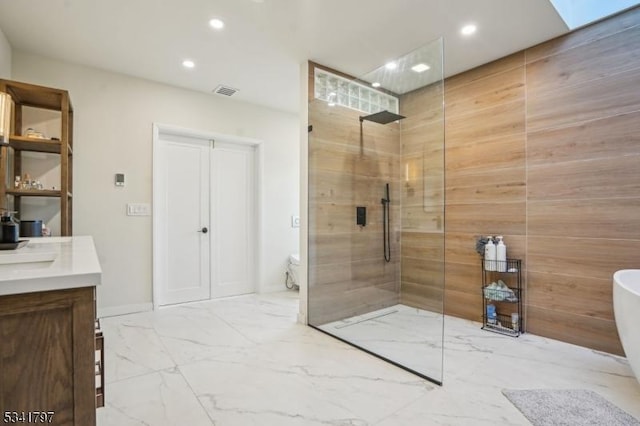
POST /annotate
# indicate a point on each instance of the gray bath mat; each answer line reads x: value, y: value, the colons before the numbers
x: 579, y: 407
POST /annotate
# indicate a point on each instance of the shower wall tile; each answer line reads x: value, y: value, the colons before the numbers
x: 460, y: 247
x: 484, y: 71
x: 581, y: 257
x: 429, y: 296
x: 589, y: 62
x: 608, y: 137
x: 486, y: 218
x: 591, y: 100
x: 583, y: 296
x: 485, y: 174
x: 580, y: 330
x: 488, y: 123
x: 422, y: 106
x: 351, y: 160
x: 417, y: 270
x: 586, y: 35
x: 595, y: 217
x: 616, y: 177
x: 423, y: 245
x: 342, y: 126
x: 502, y: 152
x: 463, y: 304
x: 327, y: 249
x: 488, y: 92
x: 425, y: 139
x: 347, y: 271
x: 484, y: 185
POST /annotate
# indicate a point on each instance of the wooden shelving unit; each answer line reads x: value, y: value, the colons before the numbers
x: 30, y: 95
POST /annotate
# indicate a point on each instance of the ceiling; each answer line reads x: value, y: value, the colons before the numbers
x: 264, y: 41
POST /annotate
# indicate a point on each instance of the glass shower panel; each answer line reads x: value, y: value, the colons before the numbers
x: 376, y: 210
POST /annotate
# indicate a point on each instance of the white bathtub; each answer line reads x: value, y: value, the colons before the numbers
x: 626, y: 306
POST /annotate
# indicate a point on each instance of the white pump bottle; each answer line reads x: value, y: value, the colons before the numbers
x: 501, y: 255
x: 490, y: 255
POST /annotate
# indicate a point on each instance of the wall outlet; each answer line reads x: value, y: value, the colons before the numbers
x: 295, y: 221
x: 138, y: 209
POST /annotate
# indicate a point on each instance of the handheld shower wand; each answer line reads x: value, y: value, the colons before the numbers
x: 385, y: 225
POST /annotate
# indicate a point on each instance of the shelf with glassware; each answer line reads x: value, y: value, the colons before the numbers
x: 502, y: 296
x: 13, y: 185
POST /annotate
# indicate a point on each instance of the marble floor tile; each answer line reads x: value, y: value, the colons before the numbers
x: 245, y: 361
x: 132, y: 347
x: 159, y: 398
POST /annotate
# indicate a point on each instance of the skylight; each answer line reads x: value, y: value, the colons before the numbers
x: 577, y: 13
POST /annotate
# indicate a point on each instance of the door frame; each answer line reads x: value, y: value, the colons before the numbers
x: 157, y: 247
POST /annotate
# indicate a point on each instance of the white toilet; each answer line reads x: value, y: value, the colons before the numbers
x: 291, y: 280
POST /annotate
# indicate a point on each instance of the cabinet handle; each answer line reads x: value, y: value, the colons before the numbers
x: 204, y: 230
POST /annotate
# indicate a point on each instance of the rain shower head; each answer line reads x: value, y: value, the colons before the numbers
x: 382, y: 117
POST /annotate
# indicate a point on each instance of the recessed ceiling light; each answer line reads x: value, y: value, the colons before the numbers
x: 376, y: 84
x: 421, y: 67
x: 468, y: 29
x: 391, y: 65
x: 188, y: 63
x: 216, y: 23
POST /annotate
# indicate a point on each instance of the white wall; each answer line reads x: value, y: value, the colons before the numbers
x: 113, y: 117
x: 5, y: 57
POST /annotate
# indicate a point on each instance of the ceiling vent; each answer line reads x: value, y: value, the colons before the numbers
x: 224, y: 90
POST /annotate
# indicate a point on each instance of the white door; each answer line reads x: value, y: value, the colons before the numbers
x: 182, y: 254
x: 233, y: 219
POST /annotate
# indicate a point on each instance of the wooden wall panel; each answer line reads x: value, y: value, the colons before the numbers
x: 612, y: 177
x: 552, y: 162
x: 422, y: 182
x: 496, y: 121
x: 584, y: 296
x: 580, y: 330
x: 595, y: 217
x: 488, y: 92
x: 347, y: 272
x: 586, y: 35
x: 581, y: 257
x: 500, y: 152
x: 605, y: 97
x: 608, y: 137
x: 607, y: 56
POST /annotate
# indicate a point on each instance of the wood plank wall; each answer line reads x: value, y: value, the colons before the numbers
x: 543, y: 147
x: 422, y: 191
x: 347, y: 272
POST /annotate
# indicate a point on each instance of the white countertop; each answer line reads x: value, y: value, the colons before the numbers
x: 50, y: 263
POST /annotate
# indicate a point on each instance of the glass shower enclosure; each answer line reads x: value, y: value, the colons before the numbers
x: 376, y: 209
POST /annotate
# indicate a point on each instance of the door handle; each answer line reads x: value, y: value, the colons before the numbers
x: 204, y: 230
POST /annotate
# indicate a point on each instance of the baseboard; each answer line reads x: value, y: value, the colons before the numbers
x: 113, y: 311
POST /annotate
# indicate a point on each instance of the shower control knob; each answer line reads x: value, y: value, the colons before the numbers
x: 204, y: 230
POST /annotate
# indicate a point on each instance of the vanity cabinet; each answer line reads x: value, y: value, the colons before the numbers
x: 47, y: 355
x: 45, y: 98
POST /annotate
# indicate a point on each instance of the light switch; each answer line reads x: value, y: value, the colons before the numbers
x: 138, y: 209
x: 295, y: 221
x: 119, y: 179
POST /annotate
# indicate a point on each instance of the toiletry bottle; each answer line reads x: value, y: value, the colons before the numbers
x: 490, y: 255
x: 501, y: 255
x: 492, y: 316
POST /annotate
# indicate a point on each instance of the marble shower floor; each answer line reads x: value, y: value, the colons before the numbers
x: 245, y: 361
x: 409, y: 336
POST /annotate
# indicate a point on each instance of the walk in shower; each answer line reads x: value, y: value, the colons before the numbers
x: 376, y: 209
